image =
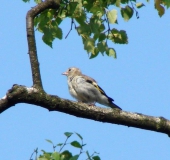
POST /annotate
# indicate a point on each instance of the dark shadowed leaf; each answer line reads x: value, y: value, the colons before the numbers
x: 66, y: 155
x: 76, y: 144
x: 102, y: 37
x: 79, y: 136
x: 96, y: 52
x: 74, y: 157
x: 96, y: 158
x: 127, y: 12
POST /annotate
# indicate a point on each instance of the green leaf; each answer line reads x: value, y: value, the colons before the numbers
x: 68, y: 134
x: 139, y: 5
x: 111, y: 52
x: 166, y: 3
x: 55, y: 156
x: 102, y: 37
x: 49, y: 141
x: 66, y: 155
x: 95, y: 53
x: 159, y: 7
x: 43, y: 158
x: 62, y: 14
x: 47, y: 37
x: 84, y: 29
x: 89, y: 44
x: 37, y: 1
x: 26, y: 0
x: 102, y: 46
x: 117, y: 3
x: 59, y: 144
x: 76, y: 144
x: 72, y: 7
x: 59, y: 33
x: 118, y: 36
x: 74, y: 157
x: 96, y: 158
x: 112, y: 16
x: 79, y: 136
x: 95, y: 24
x: 89, y: 158
x: 127, y: 12
x: 97, y: 10
x: 124, y: 1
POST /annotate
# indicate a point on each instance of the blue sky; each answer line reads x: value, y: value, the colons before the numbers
x: 138, y: 80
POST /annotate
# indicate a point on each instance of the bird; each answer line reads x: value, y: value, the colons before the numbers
x: 85, y: 89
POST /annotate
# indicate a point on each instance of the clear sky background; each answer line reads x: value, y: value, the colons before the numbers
x: 138, y: 80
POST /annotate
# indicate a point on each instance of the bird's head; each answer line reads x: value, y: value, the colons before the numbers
x: 72, y: 71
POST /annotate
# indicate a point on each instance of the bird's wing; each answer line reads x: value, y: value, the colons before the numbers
x: 99, y: 88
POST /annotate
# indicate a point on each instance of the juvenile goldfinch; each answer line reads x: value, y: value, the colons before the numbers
x: 85, y: 89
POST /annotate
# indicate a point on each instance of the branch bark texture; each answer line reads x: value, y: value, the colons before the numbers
x: 22, y: 94
x: 31, y: 38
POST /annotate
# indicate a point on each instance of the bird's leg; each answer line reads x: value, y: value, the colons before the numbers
x: 92, y: 104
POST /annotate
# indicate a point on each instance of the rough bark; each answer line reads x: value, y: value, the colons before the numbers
x: 37, y: 96
x: 22, y: 94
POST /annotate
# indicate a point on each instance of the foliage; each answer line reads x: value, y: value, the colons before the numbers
x: 65, y: 154
x: 92, y: 20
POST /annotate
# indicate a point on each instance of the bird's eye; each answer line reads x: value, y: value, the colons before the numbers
x: 69, y: 70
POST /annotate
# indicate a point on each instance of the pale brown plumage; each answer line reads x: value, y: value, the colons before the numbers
x: 85, y: 89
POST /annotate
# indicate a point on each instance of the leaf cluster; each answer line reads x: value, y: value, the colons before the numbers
x: 62, y: 154
x: 93, y: 21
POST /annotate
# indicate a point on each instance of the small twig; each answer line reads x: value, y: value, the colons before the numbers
x: 63, y: 144
x: 72, y: 22
x: 137, y: 14
x: 36, y: 152
x: 108, y: 30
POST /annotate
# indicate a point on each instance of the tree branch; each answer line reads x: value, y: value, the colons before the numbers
x: 22, y: 94
x: 31, y: 38
x: 37, y: 96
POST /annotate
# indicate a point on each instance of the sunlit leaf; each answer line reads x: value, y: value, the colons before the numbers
x: 55, y: 156
x: 37, y: 1
x: 89, y: 45
x: 111, y: 52
x: 139, y: 5
x: 112, y: 16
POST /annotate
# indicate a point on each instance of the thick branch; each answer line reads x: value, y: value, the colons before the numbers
x: 21, y: 94
x: 31, y: 38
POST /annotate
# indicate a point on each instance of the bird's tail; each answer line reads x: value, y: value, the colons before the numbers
x: 112, y: 105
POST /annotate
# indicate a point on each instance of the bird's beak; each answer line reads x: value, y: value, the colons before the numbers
x: 65, y: 73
